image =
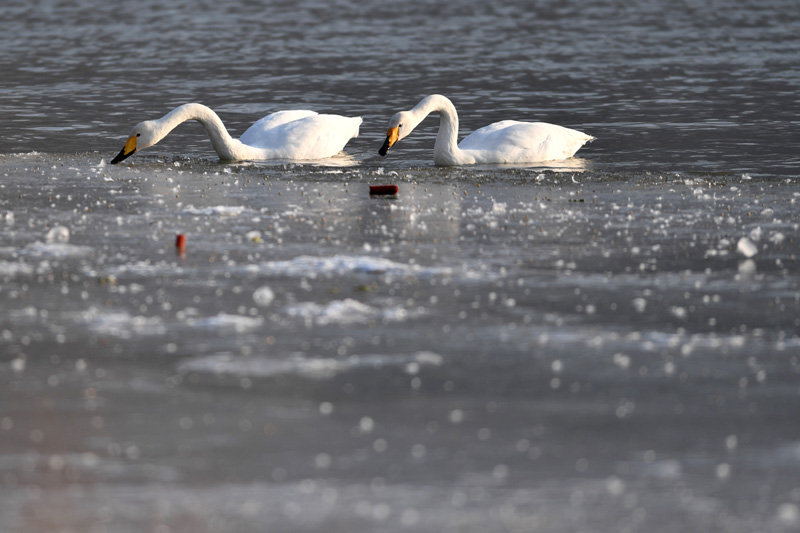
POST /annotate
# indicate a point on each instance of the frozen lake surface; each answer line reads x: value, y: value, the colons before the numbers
x: 496, y: 349
x: 609, y: 343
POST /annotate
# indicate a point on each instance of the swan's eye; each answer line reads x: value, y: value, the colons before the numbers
x: 138, y: 134
x: 399, y: 125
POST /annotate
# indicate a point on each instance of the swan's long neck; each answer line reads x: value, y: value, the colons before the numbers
x: 225, y: 145
x: 445, y: 150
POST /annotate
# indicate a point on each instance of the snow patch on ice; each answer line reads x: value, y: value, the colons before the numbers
x: 8, y: 268
x: 347, y: 311
x: 300, y: 365
x: 312, y: 267
x: 120, y: 323
x: 222, y: 210
x: 224, y: 321
x: 56, y: 250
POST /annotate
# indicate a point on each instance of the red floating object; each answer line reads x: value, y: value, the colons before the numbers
x: 180, y: 242
x: 383, y: 190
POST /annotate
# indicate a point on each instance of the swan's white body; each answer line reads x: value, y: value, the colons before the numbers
x: 508, y: 141
x: 294, y: 135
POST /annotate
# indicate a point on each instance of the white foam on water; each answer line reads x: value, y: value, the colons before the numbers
x: 9, y: 268
x: 320, y: 368
x: 120, y: 324
x: 221, y: 210
x: 144, y: 269
x: 312, y: 267
x: 347, y: 311
x: 55, y: 250
x: 224, y: 321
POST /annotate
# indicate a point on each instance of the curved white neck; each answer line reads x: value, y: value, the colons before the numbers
x: 445, y: 150
x: 227, y: 147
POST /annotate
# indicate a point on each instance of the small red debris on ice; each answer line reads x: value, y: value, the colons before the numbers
x: 383, y: 190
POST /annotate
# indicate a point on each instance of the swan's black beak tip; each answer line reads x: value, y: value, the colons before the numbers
x: 385, y: 148
x: 128, y: 150
x: 121, y: 156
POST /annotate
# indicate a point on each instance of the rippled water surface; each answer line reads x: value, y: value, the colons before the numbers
x: 608, y: 343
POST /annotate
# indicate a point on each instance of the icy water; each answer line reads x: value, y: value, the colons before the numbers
x: 609, y: 343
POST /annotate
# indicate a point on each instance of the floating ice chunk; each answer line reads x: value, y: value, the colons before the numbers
x: 57, y: 234
x: 9, y: 218
x: 253, y: 236
x: 263, y: 296
x: 777, y: 238
x: 746, y: 247
x: 755, y: 234
x: 640, y: 304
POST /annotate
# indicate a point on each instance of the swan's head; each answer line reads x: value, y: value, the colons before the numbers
x: 400, y: 125
x: 142, y: 136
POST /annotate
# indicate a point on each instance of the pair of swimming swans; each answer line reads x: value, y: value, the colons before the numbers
x: 306, y: 135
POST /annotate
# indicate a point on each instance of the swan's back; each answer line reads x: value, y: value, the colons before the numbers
x: 257, y: 131
x: 302, y: 134
x: 511, y: 141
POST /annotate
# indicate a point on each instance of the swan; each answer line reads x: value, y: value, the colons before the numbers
x: 296, y: 135
x: 508, y: 141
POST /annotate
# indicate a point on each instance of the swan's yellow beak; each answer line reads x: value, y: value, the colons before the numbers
x: 391, y: 138
x: 127, y: 150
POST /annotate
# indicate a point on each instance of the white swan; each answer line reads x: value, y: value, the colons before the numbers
x: 296, y: 135
x: 508, y: 141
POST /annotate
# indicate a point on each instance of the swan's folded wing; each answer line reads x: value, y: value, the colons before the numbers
x: 310, y: 137
x: 512, y: 141
x: 258, y: 132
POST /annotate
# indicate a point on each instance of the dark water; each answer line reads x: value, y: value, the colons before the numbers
x: 605, y: 344
x: 706, y: 85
